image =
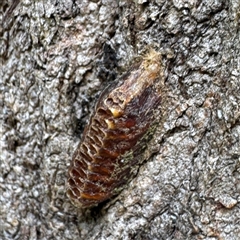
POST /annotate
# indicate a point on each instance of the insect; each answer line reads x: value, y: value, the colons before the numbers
x: 115, y: 138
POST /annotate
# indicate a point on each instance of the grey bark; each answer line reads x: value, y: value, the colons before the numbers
x: 57, y: 56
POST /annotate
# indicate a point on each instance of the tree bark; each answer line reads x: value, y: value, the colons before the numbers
x: 57, y: 57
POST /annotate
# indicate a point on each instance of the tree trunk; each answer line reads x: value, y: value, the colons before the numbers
x: 56, y: 58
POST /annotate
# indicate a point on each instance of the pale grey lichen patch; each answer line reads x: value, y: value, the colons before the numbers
x: 227, y: 201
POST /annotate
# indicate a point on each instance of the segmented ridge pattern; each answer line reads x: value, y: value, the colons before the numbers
x: 110, y: 148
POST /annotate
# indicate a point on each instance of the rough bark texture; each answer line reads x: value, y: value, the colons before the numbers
x: 56, y: 57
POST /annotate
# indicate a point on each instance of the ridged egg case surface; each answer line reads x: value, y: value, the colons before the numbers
x: 115, y: 138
